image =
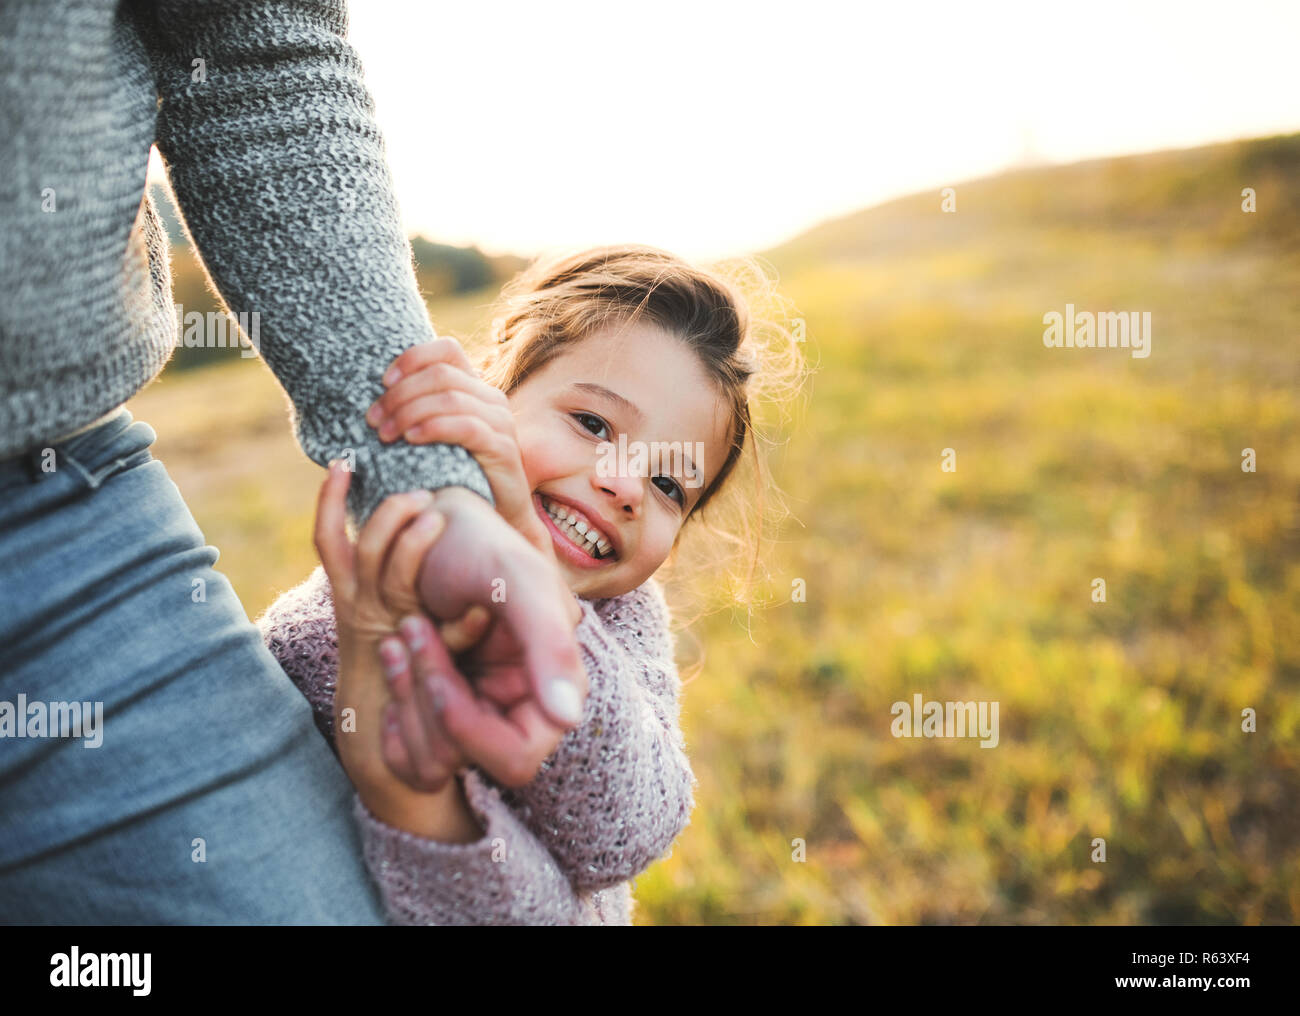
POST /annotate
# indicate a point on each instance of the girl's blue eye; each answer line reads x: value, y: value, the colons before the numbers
x: 582, y: 417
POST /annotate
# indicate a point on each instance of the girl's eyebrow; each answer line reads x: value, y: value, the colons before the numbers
x: 629, y: 407
x: 602, y: 392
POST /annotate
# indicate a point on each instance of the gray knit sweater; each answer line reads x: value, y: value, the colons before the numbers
x: 268, y: 133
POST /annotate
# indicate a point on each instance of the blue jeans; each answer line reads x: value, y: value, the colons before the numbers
x: 211, y: 797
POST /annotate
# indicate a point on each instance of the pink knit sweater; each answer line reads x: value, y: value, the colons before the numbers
x: 561, y: 850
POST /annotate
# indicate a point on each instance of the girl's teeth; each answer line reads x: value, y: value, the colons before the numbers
x: 580, y: 534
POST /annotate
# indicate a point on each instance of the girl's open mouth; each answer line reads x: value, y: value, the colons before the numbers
x: 579, y: 542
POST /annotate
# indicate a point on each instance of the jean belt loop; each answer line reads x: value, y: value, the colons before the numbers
x: 34, y: 459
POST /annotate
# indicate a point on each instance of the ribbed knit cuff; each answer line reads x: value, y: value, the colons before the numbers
x: 507, y: 877
x: 383, y: 470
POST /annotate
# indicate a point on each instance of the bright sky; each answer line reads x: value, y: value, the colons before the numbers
x: 716, y: 127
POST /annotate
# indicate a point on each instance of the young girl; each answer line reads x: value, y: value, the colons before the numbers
x: 612, y: 408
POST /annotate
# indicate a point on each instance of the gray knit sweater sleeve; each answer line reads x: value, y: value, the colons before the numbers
x: 271, y: 146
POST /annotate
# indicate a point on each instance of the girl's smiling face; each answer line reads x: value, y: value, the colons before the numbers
x: 633, y: 383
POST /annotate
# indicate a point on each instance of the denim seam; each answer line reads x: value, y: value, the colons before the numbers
x: 96, y: 478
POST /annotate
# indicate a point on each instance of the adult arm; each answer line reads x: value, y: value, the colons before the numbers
x: 278, y: 167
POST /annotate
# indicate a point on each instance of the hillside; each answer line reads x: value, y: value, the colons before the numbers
x: 1120, y: 720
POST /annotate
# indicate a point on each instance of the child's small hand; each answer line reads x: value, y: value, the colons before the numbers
x: 386, y: 556
x: 435, y: 396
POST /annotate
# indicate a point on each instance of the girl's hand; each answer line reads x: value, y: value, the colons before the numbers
x: 435, y: 396
x: 388, y: 554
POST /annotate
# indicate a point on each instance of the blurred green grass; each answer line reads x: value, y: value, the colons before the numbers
x: 1119, y: 720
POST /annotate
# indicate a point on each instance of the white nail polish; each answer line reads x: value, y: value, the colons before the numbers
x: 562, y: 699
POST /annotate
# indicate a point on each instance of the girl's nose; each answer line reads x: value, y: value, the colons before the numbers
x: 625, y: 491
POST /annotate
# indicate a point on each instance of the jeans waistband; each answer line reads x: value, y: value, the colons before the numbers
x: 39, y: 446
x: 84, y: 444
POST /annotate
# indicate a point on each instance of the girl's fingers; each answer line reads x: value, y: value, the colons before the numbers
x: 434, y: 373
x: 428, y: 753
x: 400, y: 420
x: 435, y: 681
x: 470, y: 432
x: 443, y: 349
x: 466, y: 630
x: 330, y: 535
x: 397, y: 675
x: 397, y: 756
x: 423, y: 734
x: 378, y: 533
x: 432, y: 380
x: 433, y: 674
x: 498, y: 455
x: 398, y: 579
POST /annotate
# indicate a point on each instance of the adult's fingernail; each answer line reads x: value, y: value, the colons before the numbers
x: 390, y: 651
x: 392, y: 376
x: 437, y: 692
x: 412, y: 632
x: 562, y: 699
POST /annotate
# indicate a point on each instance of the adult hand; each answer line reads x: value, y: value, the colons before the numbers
x: 439, y: 724
x: 480, y: 560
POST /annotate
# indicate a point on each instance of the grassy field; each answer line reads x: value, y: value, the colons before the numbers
x: 1119, y: 720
